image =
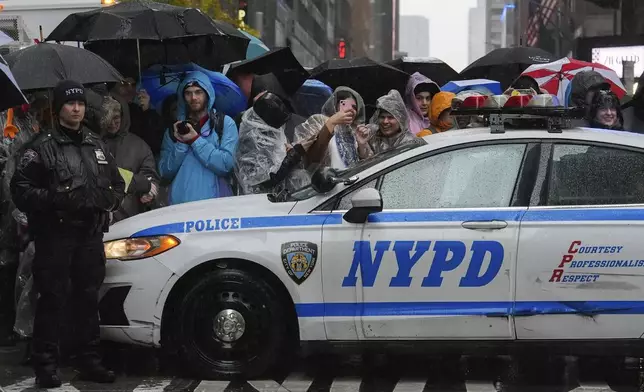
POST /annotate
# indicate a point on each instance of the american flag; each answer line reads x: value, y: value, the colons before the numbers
x: 541, y: 15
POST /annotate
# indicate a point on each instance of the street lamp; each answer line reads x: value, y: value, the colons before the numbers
x: 504, y: 21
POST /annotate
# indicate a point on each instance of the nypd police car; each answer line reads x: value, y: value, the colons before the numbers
x: 505, y: 235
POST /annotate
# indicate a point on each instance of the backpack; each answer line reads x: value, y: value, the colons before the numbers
x: 217, y: 122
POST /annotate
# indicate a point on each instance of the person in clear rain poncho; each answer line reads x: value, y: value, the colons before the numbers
x: 265, y: 161
x: 388, y: 127
x: 329, y: 138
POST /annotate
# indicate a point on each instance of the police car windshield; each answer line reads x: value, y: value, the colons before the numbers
x: 307, y: 192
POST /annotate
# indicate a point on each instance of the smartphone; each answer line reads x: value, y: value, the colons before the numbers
x: 345, y: 106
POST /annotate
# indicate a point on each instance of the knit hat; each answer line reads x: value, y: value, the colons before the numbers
x: 66, y: 91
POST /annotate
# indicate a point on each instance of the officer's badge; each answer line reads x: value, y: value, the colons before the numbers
x: 100, y: 156
x: 299, y: 259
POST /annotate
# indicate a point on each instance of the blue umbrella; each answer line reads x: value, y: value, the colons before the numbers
x: 483, y: 85
x: 161, y: 81
x: 256, y: 47
x: 5, y: 39
x: 309, y: 99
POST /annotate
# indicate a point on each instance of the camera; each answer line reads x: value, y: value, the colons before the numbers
x: 182, y: 128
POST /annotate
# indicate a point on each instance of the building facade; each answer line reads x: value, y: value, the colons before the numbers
x: 500, y: 17
x: 477, y: 32
x: 25, y: 20
x: 414, y: 35
x: 313, y: 28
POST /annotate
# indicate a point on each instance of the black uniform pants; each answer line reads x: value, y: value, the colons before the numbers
x: 68, y: 271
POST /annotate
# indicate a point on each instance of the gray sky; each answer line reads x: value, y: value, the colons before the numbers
x: 448, y: 27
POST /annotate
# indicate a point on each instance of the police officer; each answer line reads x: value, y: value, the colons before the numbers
x: 68, y: 184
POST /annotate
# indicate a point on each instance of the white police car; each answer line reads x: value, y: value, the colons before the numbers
x: 515, y: 237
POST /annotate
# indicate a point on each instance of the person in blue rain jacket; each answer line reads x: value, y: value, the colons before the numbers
x: 199, y: 163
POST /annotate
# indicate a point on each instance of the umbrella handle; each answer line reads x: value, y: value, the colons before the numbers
x: 138, y: 54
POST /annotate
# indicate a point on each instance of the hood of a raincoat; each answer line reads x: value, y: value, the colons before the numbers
x: 440, y: 102
x: 203, y: 81
x: 330, y: 107
x: 414, y: 81
x: 605, y: 99
x: 581, y: 84
x: 394, y: 105
x: 417, y: 119
x: 111, y: 107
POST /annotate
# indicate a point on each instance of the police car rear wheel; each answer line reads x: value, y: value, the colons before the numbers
x: 232, y: 323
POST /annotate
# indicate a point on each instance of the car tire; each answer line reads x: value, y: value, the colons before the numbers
x: 230, y: 323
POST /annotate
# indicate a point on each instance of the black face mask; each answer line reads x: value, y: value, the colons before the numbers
x: 270, y: 108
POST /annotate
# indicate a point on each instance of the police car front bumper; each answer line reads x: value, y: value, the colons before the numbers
x: 130, y: 308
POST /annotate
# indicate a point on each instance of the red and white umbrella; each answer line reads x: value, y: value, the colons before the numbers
x: 556, y: 76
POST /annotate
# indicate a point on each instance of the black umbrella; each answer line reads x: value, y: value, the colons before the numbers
x: 173, y: 51
x: 506, y: 64
x: 369, y: 78
x: 435, y: 69
x: 281, y: 62
x: 148, y: 23
x: 11, y: 94
x: 43, y: 65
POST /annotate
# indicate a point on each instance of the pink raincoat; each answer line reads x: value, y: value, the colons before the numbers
x: 417, y: 120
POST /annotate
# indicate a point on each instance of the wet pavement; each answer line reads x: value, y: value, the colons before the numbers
x: 317, y: 373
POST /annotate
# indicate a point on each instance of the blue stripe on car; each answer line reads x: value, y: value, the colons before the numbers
x: 474, y: 308
x: 551, y: 215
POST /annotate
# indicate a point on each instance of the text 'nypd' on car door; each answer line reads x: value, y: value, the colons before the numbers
x: 442, y: 250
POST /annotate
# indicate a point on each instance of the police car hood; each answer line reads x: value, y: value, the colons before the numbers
x: 173, y: 219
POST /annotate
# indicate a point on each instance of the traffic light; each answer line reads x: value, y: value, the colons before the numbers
x: 342, y: 49
x: 242, y: 13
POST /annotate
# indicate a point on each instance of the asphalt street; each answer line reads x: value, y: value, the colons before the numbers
x: 318, y: 373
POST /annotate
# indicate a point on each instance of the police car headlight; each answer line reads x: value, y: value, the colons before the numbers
x: 139, y: 248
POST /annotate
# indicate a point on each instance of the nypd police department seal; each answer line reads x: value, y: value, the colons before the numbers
x: 299, y: 259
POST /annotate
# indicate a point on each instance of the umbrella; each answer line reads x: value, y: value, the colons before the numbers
x: 484, y: 86
x: 310, y: 98
x: 368, y: 77
x: 556, y: 76
x: 175, y: 51
x: 281, y: 62
x: 435, y: 69
x: 10, y: 89
x: 149, y: 22
x: 43, y: 65
x: 255, y: 48
x: 506, y: 64
x: 5, y: 39
x: 163, y: 81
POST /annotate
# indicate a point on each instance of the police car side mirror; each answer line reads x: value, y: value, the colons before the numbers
x: 324, y: 180
x: 365, y: 202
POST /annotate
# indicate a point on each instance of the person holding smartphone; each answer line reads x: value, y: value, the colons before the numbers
x: 145, y: 122
x: 330, y: 137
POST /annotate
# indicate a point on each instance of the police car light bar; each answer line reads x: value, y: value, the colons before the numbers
x: 517, y: 101
x: 518, y: 111
x: 476, y: 101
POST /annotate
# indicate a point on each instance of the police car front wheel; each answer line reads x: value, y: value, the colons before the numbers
x: 230, y: 323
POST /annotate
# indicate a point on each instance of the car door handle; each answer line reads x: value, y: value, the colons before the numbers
x: 485, y: 225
